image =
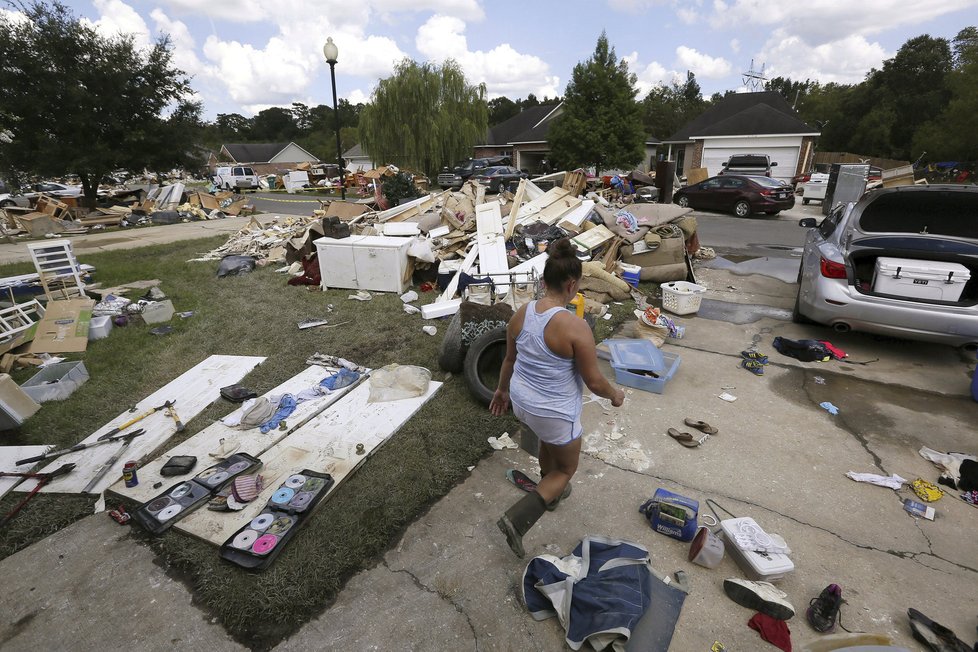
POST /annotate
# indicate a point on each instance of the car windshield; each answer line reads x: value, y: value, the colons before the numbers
x: 751, y: 161
x: 947, y: 213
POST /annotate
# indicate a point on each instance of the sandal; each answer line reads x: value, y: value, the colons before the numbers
x: 521, y: 480
x: 702, y: 426
x: 686, y: 439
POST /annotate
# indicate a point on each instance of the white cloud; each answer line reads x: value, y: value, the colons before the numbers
x: 845, y: 61
x: 357, y: 96
x: 117, y: 18
x: 649, y: 76
x: 702, y: 65
x: 735, y: 45
x: 503, y: 69
x: 635, y: 6
x: 687, y: 16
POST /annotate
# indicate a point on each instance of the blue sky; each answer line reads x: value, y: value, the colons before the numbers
x: 247, y: 55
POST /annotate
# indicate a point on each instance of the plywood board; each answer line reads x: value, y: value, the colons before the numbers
x: 251, y: 440
x: 572, y: 220
x: 9, y: 455
x: 557, y: 210
x: 327, y: 443
x: 593, y: 238
x: 528, y: 212
x: 192, y: 391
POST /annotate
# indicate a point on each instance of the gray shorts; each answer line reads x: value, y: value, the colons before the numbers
x: 551, y: 430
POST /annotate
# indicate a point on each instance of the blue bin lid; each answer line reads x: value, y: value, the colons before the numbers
x: 636, y: 354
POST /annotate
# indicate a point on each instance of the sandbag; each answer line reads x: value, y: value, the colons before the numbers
x: 688, y: 224
x: 669, y: 252
x: 597, y: 279
x: 663, y: 273
x: 395, y: 382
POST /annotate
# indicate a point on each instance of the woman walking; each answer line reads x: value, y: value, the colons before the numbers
x: 550, y: 356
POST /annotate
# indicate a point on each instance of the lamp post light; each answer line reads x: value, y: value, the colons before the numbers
x: 330, y: 52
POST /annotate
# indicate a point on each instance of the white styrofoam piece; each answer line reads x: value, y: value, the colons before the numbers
x: 577, y: 215
x: 327, y: 443
x: 401, y: 229
x: 9, y: 455
x: 191, y: 392
x: 251, y: 441
x: 440, y: 309
x: 439, y: 232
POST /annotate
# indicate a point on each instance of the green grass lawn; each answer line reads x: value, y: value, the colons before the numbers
x: 257, y: 314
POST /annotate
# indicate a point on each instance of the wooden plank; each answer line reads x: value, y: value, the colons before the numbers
x: 529, y: 210
x: 557, y: 210
x: 514, y: 211
x: 251, y: 441
x: 592, y: 238
x: 328, y: 443
x: 9, y: 455
x: 572, y: 220
x: 192, y: 392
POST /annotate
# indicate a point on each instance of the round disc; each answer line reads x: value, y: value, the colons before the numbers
x: 313, y: 484
x: 283, y: 496
x: 158, y: 504
x: 244, y: 540
x: 237, y: 467
x: 280, y: 526
x: 295, y: 481
x: 169, y: 512
x: 218, y: 478
x: 264, y: 544
x: 180, y: 490
x: 262, y: 521
x: 206, y: 473
x: 301, y: 500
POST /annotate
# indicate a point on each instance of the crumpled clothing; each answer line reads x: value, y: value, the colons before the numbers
x: 970, y: 497
x: 833, y: 350
x: 892, y: 481
x: 829, y: 407
x: 286, y: 406
x: 772, y: 630
x: 343, y: 378
x: 804, y: 350
x: 964, y: 476
x: 627, y: 221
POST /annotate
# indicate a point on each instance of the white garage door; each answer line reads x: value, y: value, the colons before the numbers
x: 785, y: 157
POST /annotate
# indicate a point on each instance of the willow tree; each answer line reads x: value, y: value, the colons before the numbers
x: 600, y: 124
x: 424, y: 117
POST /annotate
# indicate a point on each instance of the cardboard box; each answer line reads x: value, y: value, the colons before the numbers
x: 64, y: 328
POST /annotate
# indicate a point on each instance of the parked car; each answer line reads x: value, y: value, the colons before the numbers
x: 748, y: 164
x: 7, y: 200
x: 498, y: 177
x: 455, y: 177
x: 901, y: 262
x: 53, y: 189
x: 742, y: 195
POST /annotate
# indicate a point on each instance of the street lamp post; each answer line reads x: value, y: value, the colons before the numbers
x: 331, y: 52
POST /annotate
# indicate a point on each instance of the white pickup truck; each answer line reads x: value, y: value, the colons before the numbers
x: 235, y: 178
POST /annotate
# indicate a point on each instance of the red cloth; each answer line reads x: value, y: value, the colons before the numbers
x: 311, y: 274
x: 836, y: 352
x: 772, y: 630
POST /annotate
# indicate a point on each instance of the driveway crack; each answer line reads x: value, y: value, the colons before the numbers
x: 421, y: 585
x: 902, y: 554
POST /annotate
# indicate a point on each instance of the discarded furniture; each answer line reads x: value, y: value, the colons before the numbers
x: 58, y: 269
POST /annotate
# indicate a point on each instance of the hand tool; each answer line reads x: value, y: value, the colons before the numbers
x: 170, y: 412
x: 102, y: 470
x: 104, y: 439
x: 42, y: 479
x: 137, y: 419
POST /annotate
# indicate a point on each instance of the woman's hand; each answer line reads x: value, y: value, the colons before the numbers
x: 618, y: 399
x: 500, y: 403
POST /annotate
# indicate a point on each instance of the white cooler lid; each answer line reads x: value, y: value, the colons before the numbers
x: 923, y: 268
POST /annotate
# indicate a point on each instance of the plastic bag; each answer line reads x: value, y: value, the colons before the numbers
x: 395, y: 382
x: 235, y: 266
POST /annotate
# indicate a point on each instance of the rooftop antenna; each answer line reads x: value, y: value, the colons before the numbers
x: 754, y: 79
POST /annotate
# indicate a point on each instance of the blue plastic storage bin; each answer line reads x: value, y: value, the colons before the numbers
x: 642, y: 355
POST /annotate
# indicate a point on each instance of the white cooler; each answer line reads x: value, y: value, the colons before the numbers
x: 757, y: 566
x: 920, y: 279
x: 364, y: 262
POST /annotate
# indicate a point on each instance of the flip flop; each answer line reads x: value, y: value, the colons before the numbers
x: 686, y: 439
x: 702, y: 426
x: 521, y: 480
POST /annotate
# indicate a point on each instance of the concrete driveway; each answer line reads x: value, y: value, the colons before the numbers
x: 451, y: 583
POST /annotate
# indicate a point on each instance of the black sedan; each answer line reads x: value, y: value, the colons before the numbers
x: 497, y: 177
x: 742, y: 195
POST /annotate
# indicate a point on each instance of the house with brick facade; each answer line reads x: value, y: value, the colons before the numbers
x: 744, y: 123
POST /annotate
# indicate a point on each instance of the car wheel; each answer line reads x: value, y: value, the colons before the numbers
x: 683, y: 201
x: 742, y: 208
x: 483, y: 361
x: 6, y: 204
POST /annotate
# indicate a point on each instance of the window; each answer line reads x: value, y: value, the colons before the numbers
x: 736, y: 184
x: 828, y: 225
x: 237, y: 172
x: 247, y: 171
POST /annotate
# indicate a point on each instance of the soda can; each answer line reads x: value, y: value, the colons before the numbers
x: 129, y: 474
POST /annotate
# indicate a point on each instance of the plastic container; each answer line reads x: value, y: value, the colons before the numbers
x: 682, y: 298
x: 920, y: 279
x: 757, y: 566
x: 99, y: 327
x: 56, y: 382
x: 631, y: 355
x: 630, y: 274
x: 158, y: 312
x: 706, y: 548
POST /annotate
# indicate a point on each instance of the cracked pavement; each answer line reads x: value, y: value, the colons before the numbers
x: 451, y: 582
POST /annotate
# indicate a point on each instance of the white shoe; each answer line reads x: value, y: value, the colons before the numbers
x: 759, y: 596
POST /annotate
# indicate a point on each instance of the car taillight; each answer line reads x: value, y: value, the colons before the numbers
x: 832, y: 269
x: 767, y: 193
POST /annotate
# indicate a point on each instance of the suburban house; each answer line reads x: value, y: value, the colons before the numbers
x: 524, y: 139
x: 744, y: 123
x: 264, y: 158
x: 356, y: 158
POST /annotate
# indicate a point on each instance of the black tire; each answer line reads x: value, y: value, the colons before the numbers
x: 6, y: 204
x: 451, y: 356
x: 683, y: 201
x: 742, y: 208
x: 483, y: 361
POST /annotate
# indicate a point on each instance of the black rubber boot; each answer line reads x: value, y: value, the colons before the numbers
x: 518, y: 520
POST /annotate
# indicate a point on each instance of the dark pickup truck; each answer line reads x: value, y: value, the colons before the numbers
x: 465, y: 169
x: 750, y: 164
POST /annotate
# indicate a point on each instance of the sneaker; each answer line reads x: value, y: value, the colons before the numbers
x: 759, y: 596
x: 754, y: 355
x: 753, y: 366
x: 824, y: 610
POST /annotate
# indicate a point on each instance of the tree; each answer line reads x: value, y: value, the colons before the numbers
x: 667, y: 108
x: 175, y: 144
x: 274, y: 124
x: 792, y: 91
x: 425, y: 116
x: 502, y: 109
x: 951, y: 135
x: 231, y: 127
x: 601, y: 122
x: 77, y: 101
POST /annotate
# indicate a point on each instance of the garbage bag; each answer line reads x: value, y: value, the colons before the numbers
x: 395, y: 382
x: 235, y: 266
x: 165, y: 217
